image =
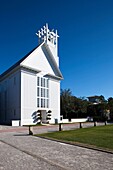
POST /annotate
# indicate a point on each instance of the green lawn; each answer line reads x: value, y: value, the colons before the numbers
x: 101, y: 136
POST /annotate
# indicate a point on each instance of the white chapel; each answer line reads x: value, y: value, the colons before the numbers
x: 30, y: 89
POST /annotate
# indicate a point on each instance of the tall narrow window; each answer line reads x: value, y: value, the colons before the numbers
x: 47, y: 83
x: 44, y: 82
x: 47, y: 93
x: 47, y: 103
x: 38, y: 102
x: 38, y: 91
x: 42, y: 92
x: 41, y: 102
x: 38, y: 81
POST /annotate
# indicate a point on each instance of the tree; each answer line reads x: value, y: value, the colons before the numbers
x: 71, y: 106
x: 110, y: 107
x: 102, y: 99
x: 66, y: 102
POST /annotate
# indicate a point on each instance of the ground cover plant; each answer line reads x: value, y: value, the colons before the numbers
x: 101, y: 136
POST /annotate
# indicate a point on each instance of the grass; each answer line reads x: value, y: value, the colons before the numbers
x: 101, y: 136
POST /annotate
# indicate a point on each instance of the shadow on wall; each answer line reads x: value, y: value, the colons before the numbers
x: 49, y: 60
x: 35, y: 117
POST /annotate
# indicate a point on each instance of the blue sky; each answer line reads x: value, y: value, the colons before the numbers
x: 85, y: 28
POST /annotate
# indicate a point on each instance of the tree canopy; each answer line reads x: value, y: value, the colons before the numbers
x: 74, y: 107
x: 71, y: 106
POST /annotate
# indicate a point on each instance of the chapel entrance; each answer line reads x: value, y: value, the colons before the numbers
x: 44, y: 116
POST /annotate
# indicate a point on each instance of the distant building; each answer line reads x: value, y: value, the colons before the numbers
x: 97, y: 108
x: 94, y: 99
x: 31, y: 87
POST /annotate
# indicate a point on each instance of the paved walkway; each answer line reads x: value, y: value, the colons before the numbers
x: 20, y: 151
x: 45, y: 129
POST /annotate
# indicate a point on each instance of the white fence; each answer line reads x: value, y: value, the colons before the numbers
x: 74, y: 120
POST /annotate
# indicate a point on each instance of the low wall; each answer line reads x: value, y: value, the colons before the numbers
x: 74, y: 120
x: 65, y: 121
x: 15, y: 122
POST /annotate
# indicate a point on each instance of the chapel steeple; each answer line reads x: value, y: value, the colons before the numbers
x: 48, y: 36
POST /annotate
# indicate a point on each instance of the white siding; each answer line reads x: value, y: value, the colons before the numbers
x: 28, y: 97
x: 54, y: 100
x: 10, y: 98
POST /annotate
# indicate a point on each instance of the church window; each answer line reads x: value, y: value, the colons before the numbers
x: 42, y: 92
x: 38, y: 81
x: 38, y: 91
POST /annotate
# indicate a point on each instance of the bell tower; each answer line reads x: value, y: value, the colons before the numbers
x: 50, y: 37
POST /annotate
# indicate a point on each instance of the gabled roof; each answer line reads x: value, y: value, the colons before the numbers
x: 18, y: 64
x: 93, y: 97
